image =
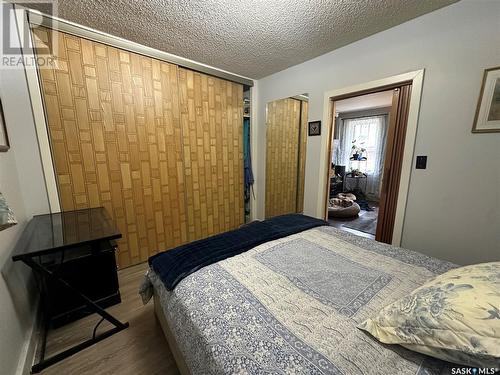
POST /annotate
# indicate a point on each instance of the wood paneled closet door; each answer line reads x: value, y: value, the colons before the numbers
x: 212, y: 127
x: 283, y: 136
x: 116, y: 140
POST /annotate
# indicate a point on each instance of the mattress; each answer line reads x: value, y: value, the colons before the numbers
x: 292, y: 306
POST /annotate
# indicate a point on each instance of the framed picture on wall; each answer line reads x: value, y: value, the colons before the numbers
x: 4, y: 139
x: 314, y: 128
x: 487, y: 119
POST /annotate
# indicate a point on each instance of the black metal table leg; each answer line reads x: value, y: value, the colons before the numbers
x: 119, y: 326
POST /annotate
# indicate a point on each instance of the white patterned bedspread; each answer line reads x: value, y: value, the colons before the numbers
x: 291, y: 306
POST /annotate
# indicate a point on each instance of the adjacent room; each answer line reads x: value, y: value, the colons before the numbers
x: 229, y: 187
x: 357, y: 165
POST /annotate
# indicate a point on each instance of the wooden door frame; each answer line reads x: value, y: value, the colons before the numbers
x: 415, y: 78
x: 394, y: 146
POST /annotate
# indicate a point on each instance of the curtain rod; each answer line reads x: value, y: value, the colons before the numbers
x: 372, y: 112
x: 365, y: 116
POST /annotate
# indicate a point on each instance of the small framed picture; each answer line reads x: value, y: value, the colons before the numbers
x: 4, y: 139
x: 487, y: 119
x: 314, y: 128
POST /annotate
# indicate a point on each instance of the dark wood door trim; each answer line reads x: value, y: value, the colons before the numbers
x: 372, y: 90
x: 396, y: 136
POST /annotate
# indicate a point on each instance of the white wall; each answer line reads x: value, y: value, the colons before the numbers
x: 15, y: 311
x: 21, y: 182
x: 453, y: 208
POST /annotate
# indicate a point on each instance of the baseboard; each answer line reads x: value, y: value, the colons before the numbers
x: 27, y: 355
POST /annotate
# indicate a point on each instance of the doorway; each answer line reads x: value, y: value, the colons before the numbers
x: 366, y: 159
x: 358, y: 150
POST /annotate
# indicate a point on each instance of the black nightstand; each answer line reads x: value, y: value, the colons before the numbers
x: 73, y: 255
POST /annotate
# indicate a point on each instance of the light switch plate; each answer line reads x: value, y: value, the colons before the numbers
x: 421, y: 162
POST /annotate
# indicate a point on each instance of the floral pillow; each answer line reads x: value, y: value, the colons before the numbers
x: 454, y: 317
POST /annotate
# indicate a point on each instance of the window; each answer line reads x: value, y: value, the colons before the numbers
x: 369, y: 133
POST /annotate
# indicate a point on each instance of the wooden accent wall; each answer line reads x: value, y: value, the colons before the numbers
x: 282, y: 156
x: 117, y: 139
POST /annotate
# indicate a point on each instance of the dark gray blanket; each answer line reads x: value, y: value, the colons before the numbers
x: 174, y: 265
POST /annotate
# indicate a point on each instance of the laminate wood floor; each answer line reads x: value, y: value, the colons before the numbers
x: 140, y: 349
x: 365, y: 216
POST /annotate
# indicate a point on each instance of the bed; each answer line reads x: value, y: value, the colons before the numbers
x: 291, y: 306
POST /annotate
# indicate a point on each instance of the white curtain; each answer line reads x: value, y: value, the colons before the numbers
x: 369, y: 133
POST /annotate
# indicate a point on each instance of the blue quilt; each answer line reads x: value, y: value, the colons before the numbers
x: 174, y: 265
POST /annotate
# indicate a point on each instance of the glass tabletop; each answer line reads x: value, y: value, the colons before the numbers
x: 52, y: 232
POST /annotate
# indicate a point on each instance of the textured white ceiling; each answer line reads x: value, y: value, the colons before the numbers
x: 253, y: 38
